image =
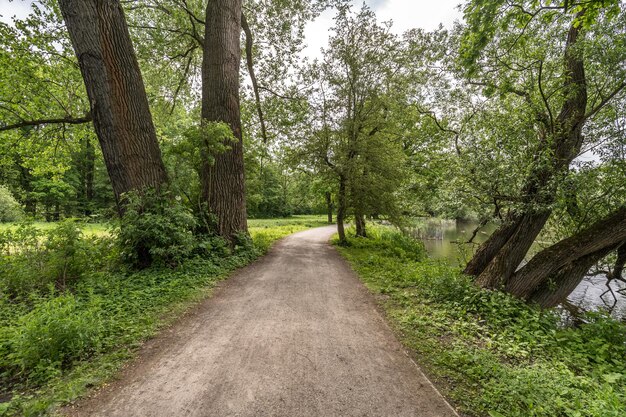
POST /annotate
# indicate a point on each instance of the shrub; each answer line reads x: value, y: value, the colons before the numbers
x: 155, y: 229
x: 32, y: 259
x: 10, y: 209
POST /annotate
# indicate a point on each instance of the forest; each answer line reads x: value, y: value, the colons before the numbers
x: 150, y: 148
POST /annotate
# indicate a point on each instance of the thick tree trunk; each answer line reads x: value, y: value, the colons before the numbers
x: 341, y: 211
x: 490, y: 248
x: 558, y: 287
x: 119, y: 106
x: 329, y: 206
x: 606, y: 233
x: 223, y: 182
x: 511, y: 255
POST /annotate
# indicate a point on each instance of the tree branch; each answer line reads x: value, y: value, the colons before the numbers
x: 255, y: 85
x: 61, y: 120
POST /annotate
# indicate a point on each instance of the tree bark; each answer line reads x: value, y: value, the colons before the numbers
x: 329, y: 206
x: 559, y: 286
x: 223, y: 182
x: 341, y: 211
x: 117, y: 97
x: 606, y: 233
x: 511, y: 255
x: 490, y: 248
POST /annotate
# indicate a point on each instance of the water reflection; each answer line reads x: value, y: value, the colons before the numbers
x: 447, y: 239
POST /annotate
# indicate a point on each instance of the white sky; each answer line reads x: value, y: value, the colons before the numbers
x: 405, y: 14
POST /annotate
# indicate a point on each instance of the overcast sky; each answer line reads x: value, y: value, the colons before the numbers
x: 405, y: 14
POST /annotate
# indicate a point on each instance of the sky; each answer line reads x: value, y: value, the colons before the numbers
x: 405, y: 14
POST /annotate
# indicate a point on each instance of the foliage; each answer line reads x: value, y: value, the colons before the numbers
x: 10, y: 210
x: 155, y: 229
x: 493, y: 354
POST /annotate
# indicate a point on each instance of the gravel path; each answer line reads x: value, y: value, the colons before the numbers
x: 294, y: 334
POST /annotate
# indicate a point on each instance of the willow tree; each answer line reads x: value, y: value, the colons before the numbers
x: 549, y: 60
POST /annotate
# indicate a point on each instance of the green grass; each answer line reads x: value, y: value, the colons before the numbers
x: 89, y: 229
x: 491, y: 354
x: 56, y: 344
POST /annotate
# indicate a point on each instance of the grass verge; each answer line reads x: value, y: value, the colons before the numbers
x: 57, y: 343
x: 490, y: 353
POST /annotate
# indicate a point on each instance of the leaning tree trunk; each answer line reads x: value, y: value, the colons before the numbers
x: 499, y: 257
x: 341, y: 211
x: 119, y: 106
x: 223, y: 182
x: 506, y: 261
x: 559, y: 286
x: 604, y: 234
x: 618, y: 268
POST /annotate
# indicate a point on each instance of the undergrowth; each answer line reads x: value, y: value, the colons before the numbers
x: 492, y: 354
x: 71, y: 314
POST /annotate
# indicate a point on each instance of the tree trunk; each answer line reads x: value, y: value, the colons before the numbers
x: 223, y: 182
x: 606, y: 233
x: 359, y: 221
x: 558, y: 287
x: 117, y: 97
x: 341, y: 211
x: 490, y: 248
x: 511, y: 255
x: 620, y: 261
x: 329, y: 206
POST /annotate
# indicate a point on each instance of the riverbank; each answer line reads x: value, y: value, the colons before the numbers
x: 57, y: 343
x: 491, y: 354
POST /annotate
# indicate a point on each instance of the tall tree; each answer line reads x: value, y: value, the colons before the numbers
x: 117, y: 97
x: 555, y: 90
x: 222, y: 175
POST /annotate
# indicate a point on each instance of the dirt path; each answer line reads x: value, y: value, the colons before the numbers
x: 294, y: 334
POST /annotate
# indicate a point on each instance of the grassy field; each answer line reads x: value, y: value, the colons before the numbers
x: 492, y: 354
x: 57, y: 342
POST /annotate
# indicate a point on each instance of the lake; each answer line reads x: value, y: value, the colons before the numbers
x: 446, y: 239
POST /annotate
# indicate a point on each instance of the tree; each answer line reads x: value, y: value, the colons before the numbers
x: 555, y: 85
x: 118, y: 102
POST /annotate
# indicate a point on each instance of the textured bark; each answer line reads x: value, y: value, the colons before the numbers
x: 606, y: 233
x: 223, y: 182
x: 558, y: 287
x: 490, y: 248
x: 510, y: 256
x: 119, y: 106
x: 329, y: 206
x: 341, y: 211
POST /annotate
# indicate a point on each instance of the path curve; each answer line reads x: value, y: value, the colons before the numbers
x: 294, y: 334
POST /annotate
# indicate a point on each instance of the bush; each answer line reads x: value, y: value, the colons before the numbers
x: 155, y: 230
x: 53, y: 335
x: 33, y: 260
x: 10, y: 209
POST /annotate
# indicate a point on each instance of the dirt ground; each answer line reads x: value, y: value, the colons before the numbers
x: 294, y: 334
